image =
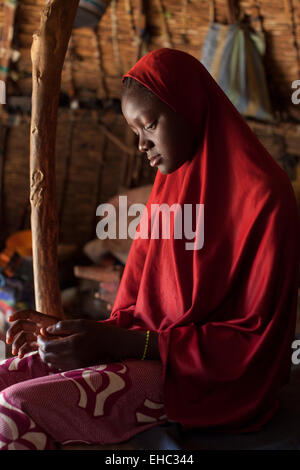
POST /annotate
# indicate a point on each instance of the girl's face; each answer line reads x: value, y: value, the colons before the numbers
x: 164, y: 135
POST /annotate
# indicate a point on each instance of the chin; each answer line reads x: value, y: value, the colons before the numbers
x: 164, y: 171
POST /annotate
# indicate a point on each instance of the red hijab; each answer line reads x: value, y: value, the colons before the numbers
x: 225, y: 313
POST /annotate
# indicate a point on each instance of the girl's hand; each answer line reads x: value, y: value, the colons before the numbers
x: 25, y: 329
x: 72, y: 344
x: 89, y: 342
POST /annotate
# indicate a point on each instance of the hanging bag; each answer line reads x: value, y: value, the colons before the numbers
x: 233, y: 54
x: 7, y: 54
x: 90, y: 12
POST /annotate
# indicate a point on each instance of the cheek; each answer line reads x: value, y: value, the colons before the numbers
x: 176, y: 148
x: 167, y: 142
x: 173, y: 142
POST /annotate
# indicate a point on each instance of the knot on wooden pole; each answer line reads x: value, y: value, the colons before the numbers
x: 37, y: 188
x: 47, y: 10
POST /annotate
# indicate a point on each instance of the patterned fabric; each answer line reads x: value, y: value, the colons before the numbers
x: 233, y: 56
x: 104, y: 404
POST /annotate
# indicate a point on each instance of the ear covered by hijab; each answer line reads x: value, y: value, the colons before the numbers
x: 225, y: 311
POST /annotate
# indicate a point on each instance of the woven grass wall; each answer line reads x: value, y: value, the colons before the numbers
x: 90, y: 169
x: 91, y: 166
x: 97, y: 59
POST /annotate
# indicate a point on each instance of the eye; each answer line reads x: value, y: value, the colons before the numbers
x: 152, y: 126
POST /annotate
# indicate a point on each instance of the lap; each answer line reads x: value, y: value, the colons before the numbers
x: 15, y: 370
x: 106, y: 403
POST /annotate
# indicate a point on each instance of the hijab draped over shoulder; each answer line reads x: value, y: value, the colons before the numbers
x: 225, y: 312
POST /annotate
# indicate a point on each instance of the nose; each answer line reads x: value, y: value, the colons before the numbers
x: 144, y: 144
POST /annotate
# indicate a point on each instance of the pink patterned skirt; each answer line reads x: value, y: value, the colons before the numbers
x: 41, y: 408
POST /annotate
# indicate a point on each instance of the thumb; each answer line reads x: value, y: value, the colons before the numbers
x: 65, y: 327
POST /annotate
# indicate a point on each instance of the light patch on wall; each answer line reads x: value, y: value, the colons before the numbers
x: 2, y: 350
x: 2, y: 92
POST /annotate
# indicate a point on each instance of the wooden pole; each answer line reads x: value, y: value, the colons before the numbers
x: 48, y: 52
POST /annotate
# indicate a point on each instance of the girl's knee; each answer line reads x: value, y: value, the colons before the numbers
x: 17, y: 428
x: 12, y: 396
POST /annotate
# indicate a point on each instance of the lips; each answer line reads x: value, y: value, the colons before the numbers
x: 154, y: 160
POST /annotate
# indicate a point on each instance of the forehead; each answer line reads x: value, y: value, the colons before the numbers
x: 137, y: 103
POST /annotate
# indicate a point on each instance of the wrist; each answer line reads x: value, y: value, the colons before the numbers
x: 146, y: 345
x: 153, y: 347
x: 129, y: 344
x: 132, y: 345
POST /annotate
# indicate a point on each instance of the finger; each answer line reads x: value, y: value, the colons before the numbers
x: 32, y: 315
x: 49, y: 335
x: 20, y: 339
x: 43, y: 332
x: 66, y: 327
x: 52, y: 360
x: 26, y: 348
x: 18, y: 326
x: 56, y: 345
x: 43, y: 355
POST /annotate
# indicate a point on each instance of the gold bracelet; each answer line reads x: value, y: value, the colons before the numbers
x: 146, y: 345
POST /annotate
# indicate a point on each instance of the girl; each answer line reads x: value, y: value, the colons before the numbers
x: 200, y: 332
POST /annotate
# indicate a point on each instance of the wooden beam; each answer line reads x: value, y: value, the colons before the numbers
x: 48, y: 52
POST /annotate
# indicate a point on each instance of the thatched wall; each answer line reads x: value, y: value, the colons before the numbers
x: 90, y: 169
x: 97, y: 59
x: 90, y: 166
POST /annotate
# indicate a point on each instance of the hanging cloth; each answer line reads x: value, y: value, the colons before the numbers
x: 6, y: 38
x: 90, y: 12
x: 233, y: 54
